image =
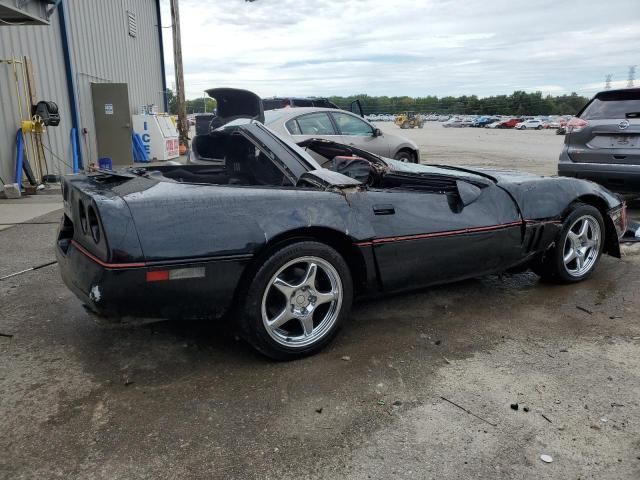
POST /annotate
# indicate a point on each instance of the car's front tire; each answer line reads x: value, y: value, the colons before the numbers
x: 577, y: 249
x: 297, y: 299
x: 406, y: 156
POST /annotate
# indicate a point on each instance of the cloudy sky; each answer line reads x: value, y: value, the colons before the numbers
x: 405, y: 47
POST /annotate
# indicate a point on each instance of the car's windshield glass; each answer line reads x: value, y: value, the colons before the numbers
x: 615, y: 105
x: 291, y: 145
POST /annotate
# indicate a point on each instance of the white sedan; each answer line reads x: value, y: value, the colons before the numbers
x: 340, y: 126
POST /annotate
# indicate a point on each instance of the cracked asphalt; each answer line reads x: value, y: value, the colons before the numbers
x: 84, y: 400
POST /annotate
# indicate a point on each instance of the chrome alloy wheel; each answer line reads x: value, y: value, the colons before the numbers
x: 582, y: 246
x: 302, y: 302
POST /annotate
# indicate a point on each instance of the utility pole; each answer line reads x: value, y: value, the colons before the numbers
x: 632, y: 76
x: 183, y: 127
x: 607, y: 82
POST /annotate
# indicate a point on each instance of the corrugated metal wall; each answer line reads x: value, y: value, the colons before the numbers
x: 102, y: 51
x: 43, y: 46
x: 111, y: 55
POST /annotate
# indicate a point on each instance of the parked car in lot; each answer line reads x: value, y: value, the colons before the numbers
x: 484, y: 121
x: 494, y: 124
x: 531, y: 124
x: 344, y: 127
x: 279, y: 242
x: 602, y: 141
x: 511, y: 123
x: 454, y: 122
x: 468, y: 121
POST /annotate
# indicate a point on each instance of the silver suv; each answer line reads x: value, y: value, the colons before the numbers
x: 603, y: 141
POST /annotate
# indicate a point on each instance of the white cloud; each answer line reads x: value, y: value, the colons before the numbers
x: 404, y: 47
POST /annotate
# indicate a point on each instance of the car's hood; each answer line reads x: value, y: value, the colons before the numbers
x: 524, y: 187
x: 233, y: 104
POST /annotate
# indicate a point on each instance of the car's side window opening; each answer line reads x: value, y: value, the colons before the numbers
x: 350, y: 125
x: 311, y: 124
x: 293, y: 127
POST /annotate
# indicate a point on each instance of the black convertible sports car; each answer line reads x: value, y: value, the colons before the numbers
x: 282, y: 237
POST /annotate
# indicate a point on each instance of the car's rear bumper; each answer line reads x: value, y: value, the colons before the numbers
x: 203, y: 288
x: 620, y: 178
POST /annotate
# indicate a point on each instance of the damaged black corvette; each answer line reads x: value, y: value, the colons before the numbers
x: 282, y: 237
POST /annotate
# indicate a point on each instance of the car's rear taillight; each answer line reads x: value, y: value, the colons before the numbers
x: 65, y: 233
x: 576, y: 124
x: 93, y: 224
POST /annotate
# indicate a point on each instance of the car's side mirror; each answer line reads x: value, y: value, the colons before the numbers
x: 377, y: 132
x: 467, y: 192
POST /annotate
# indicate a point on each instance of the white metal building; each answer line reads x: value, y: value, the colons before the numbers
x: 71, y: 45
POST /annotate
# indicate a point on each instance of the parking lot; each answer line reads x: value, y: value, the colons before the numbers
x: 471, y: 380
x: 534, y: 151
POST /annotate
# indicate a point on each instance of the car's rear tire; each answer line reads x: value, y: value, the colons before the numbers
x: 578, y: 247
x: 296, y: 300
x: 405, y: 156
x: 539, y: 127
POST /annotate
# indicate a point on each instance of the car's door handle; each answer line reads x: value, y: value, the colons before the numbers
x: 384, y: 209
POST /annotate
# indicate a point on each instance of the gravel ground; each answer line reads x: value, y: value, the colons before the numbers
x: 534, y: 151
x: 80, y: 399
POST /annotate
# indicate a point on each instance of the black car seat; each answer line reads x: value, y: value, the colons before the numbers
x: 237, y: 161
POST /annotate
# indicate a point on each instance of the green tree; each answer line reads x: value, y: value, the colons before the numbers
x: 518, y: 103
x: 172, y: 102
x: 196, y: 105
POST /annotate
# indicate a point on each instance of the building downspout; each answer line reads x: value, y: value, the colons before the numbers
x: 162, y: 68
x: 71, y: 83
